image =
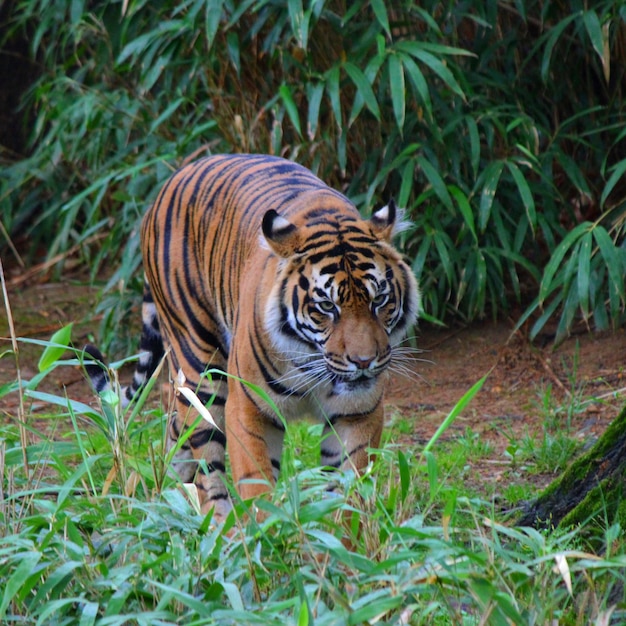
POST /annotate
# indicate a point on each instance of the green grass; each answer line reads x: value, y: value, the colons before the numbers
x: 93, y: 531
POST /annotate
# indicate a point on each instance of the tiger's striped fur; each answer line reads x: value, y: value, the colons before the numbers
x: 255, y: 267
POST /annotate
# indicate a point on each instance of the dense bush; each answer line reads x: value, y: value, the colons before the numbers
x: 499, y: 125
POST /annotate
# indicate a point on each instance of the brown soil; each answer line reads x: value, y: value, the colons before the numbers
x: 585, y: 373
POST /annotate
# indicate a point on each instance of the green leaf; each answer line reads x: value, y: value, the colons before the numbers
x: 552, y: 37
x: 491, y: 179
x: 574, y: 173
x: 27, y: 563
x: 213, y: 16
x: 432, y: 471
x: 417, y: 51
x: 59, y: 342
x: 594, y: 30
x: 299, y: 24
x: 474, y: 137
x: 612, y: 262
x: 465, y: 208
x: 303, y: 616
x: 77, y: 407
x: 405, y: 475
x: 171, y: 108
x: 332, y: 89
x: 525, y: 193
x: 419, y: 82
x: 397, y: 89
x: 380, y: 12
x: 372, y: 606
x: 584, y: 272
x: 438, y: 184
x: 290, y: 107
x: 89, y: 614
x: 315, y: 91
x: 456, y: 410
x: 364, y: 88
x: 554, y: 264
x: 616, y: 176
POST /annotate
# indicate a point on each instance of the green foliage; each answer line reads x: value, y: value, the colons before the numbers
x: 81, y: 542
x: 500, y: 128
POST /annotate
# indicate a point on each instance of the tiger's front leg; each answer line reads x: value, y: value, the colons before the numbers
x: 347, y: 439
x: 201, y: 457
x: 346, y: 445
x: 255, y: 441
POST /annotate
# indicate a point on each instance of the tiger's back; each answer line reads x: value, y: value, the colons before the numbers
x: 255, y: 267
x: 218, y: 204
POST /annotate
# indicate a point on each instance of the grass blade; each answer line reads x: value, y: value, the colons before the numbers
x: 454, y: 413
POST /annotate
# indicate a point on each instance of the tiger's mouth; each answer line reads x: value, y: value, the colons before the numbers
x: 359, y: 379
x: 342, y: 385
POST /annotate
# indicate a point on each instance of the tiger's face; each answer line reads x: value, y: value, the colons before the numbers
x: 343, y: 301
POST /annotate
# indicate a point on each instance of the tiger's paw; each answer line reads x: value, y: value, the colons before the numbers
x: 221, y: 508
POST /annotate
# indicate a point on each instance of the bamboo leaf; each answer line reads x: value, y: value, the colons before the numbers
x: 491, y: 179
x: 397, y: 89
x: 612, y: 261
x: 212, y: 18
x: 290, y: 107
x: 574, y: 173
x: 314, y: 96
x: 525, y: 193
x: 598, y: 37
x: 616, y: 176
x: 548, y: 312
x: 332, y: 89
x: 77, y: 407
x: 299, y: 22
x: 584, y: 272
x: 554, y: 264
x: 474, y: 137
x: 380, y: 12
x: 464, y: 207
x: 438, y: 184
x: 364, y: 88
x: 553, y: 36
x: 419, y: 82
x: 418, y: 52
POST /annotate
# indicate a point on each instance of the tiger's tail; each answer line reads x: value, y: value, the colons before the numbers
x: 150, y: 346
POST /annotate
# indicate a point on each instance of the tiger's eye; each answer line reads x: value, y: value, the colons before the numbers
x: 379, y: 299
x: 326, y: 306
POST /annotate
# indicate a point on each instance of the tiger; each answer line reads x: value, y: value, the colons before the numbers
x: 257, y: 270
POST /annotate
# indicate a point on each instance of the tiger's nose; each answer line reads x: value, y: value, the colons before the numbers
x: 362, y: 362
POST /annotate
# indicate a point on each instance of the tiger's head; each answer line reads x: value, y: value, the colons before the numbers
x: 343, y: 299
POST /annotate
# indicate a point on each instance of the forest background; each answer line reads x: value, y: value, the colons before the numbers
x: 498, y: 125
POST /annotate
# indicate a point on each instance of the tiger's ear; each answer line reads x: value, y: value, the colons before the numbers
x: 281, y: 235
x: 387, y: 221
x: 383, y: 221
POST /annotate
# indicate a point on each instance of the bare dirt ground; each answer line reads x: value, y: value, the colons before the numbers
x: 585, y: 372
